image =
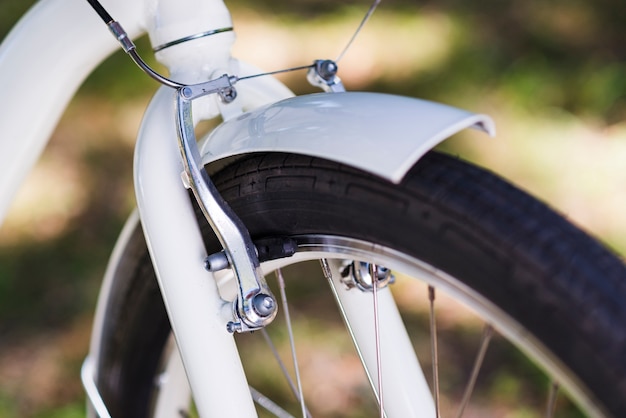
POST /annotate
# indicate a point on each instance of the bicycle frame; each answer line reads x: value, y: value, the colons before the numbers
x: 197, y: 313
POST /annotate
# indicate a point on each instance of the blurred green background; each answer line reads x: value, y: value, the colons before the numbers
x: 551, y: 73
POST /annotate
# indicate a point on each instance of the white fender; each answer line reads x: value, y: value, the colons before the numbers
x: 383, y: 134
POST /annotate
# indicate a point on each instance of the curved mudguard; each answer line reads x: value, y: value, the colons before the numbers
x: 383, y: 134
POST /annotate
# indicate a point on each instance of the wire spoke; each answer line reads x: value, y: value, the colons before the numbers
x: 373, y: 275
x: 478, y: 362
x: 433, y: 348
x: 281, y: 364
x: 329, y: 277
x: 283, y: 296
x: 283, y: 367
x: 268, y: 404
x: 552, y: 395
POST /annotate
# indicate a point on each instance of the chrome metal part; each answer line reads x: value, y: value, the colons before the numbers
x: 228, y: 95
x: 264, y: 305
x: 328, y: 274
x: 191, y: 38
x: 358, y: 275
x: 222, y: 86
x: 233, y: 327
x: 121, y: 36
x: 216, y: 262
x: 129, y: 47
x: 371, y: 360
x: 323, y: 74
x: 255, y: 306
x: 373, y: 272
x: 292, y: 342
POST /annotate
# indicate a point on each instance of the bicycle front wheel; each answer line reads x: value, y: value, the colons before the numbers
x: 453, y: 229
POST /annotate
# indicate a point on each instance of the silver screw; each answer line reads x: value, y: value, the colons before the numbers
x: 233, y: 327
x: 187, y: 92
x: 263, y: 304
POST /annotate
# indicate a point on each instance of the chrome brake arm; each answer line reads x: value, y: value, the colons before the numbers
x: 255, y: 306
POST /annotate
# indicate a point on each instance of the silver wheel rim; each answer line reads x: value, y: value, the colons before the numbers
x: 314, y: 247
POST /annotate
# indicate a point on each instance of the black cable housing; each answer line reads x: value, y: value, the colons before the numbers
x: 104, y: 15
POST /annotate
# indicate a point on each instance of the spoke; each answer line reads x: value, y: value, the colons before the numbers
x: 282, y: 366
x: 268, y: 404
x: 469, y: 389
x: 552, y: 395
x: 329, y: 276
x: 373, y: 276
x: 433, y: 348
x: 283, y: 296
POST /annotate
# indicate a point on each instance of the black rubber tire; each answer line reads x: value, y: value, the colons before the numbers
x: 561, y: 285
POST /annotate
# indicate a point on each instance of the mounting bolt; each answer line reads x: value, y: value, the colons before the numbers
x: 216, y: 262
x: 327, y: 69
x: 228, y: 94
x: 187, y: 92
x: 263, y: 304
x: 233, y: 327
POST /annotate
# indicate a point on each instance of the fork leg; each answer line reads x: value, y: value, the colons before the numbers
x: 195, y: 309
x: 406, y: 390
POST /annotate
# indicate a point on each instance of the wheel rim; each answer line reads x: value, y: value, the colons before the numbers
x: 313, y: 247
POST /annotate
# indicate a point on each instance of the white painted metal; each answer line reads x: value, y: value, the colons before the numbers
x: 406, y: 392
x: 43, y: 61
x: 173, y: 387
x: 177, y: 252
x: 380, y: 133
x: 202, y: 58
